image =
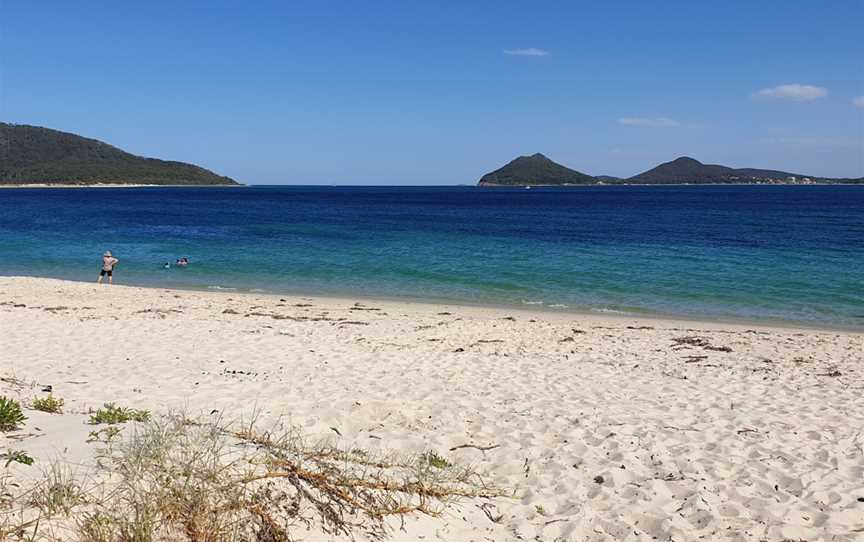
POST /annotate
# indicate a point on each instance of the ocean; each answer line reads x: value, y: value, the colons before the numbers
x: 776, y: 253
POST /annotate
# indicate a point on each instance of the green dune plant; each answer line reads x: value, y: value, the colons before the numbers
x: 49, y: 404
x: 112, y: 414
x: 16, y: 456
x: 11, y: 416
x: 432, y: 459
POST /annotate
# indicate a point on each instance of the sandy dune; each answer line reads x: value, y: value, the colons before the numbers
x: 605, y: 428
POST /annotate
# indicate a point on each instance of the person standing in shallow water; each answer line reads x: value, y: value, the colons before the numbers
x: 109, y: 262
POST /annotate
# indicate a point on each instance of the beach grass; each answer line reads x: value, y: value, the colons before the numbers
x: 58, y: 492
x: 176, y: 478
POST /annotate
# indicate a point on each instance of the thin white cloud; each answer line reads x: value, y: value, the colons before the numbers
x: 794, y: 92
x: 658, y: 122
x: 531, y: 51
x: 858, y: 102
x: 811, y: 141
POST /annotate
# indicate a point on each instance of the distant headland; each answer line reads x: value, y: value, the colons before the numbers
x: 32, y: 155
x: 538, y: 170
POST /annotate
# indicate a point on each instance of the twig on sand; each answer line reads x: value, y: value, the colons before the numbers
x: 483, y: 449
x: 485, y: 507
x: 17, y: 382
x: 679, y: 428
x: 694, y: 359
x: 485, y: 341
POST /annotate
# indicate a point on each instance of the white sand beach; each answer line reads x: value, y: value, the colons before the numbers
x: 603, y: 428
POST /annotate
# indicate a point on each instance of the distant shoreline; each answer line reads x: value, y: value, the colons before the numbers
x: 488, y: 185
x: 493, y: 186
x: 120, y: 185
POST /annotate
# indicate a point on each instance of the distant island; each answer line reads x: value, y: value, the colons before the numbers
x: 538, y: 170
x: 535, y: 170
x: 36, y: 155
x: 687, y: 170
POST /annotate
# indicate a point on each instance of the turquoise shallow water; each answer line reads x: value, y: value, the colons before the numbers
x: 793, y: 253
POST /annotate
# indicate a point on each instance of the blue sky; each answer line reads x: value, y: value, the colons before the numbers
x: 441, y: 92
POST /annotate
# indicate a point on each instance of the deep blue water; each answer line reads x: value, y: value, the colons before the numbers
x: 775, y: 252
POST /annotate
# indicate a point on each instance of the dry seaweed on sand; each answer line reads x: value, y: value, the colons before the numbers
x: 700, y: 342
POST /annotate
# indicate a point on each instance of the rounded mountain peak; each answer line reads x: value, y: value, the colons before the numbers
x: 682, y: 160
x: 537, y: 156
x: 535, y: 169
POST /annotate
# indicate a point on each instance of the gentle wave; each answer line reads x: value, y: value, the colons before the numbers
x: 607, y: 311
